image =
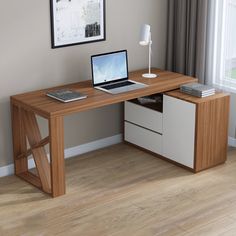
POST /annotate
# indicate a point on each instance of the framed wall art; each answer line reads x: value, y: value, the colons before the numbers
x: 77, y: 22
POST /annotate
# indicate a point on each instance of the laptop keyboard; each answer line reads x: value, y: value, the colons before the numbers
x: 117, y: 85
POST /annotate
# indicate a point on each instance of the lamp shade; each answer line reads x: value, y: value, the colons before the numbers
x: 145, y: 35
x: 146, y: 40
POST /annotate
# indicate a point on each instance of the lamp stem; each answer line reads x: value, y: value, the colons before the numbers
x: 150, y: 54
x: 148, y: 42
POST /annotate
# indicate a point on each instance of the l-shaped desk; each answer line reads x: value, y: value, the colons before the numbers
x: 50, y: 176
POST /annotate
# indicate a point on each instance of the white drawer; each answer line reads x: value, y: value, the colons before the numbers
x: 143, y: 138
x: 143, y: 116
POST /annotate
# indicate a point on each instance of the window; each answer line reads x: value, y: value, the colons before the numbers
x: 225, y: 45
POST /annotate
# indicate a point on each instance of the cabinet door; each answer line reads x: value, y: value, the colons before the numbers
x: 179, y: 130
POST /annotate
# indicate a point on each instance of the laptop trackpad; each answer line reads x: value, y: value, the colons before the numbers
x: 127, y: 88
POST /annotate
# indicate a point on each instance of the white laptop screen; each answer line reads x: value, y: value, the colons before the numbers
x: 109, y: 67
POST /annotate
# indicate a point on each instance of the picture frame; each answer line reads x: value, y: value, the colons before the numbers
x: 75, y: 22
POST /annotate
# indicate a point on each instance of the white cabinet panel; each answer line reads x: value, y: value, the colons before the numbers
x: 143, y: 116
x: 179, y: 130
x: 143, y: 138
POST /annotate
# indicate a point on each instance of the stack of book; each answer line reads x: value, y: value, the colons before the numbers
x: 197, y: 90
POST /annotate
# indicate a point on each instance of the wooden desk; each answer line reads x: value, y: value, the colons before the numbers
x: 50, y: 176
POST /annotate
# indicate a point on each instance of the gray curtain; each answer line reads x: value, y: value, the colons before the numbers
x: 189, y: 37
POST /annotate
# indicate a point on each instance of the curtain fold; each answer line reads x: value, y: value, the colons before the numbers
x: 189, y: 38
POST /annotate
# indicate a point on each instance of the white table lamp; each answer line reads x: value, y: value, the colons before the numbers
x: 146, y: 40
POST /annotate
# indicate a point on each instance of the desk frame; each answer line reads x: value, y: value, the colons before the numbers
x: 50, y: 176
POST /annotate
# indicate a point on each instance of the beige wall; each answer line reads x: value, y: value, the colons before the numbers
x: 28, y: 63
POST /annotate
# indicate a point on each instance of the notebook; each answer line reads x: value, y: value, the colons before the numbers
x: 66, y: 95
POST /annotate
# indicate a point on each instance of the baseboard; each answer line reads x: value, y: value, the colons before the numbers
x: 71, y: 152
x: 92, y: 146
x: 232, y: 142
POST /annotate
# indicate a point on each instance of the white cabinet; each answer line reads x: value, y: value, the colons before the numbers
x: 179, y: 130
x: 170, y: 134
x: 190, y: 131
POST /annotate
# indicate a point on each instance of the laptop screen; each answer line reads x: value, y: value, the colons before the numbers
x: 109, y: 67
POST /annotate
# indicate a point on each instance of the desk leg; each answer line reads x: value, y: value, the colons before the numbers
x: 19, y: 140
x: 24, y: 126
x: 56, y: 134
x: 37, y: 149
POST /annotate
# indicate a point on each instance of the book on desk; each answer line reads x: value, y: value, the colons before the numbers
x: 197, y: 90
x: 66, y: 95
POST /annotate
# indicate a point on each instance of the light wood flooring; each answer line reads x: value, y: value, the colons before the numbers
x: 123, y: 191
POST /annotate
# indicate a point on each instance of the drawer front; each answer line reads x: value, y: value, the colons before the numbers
x: 143, y: 138
x: 143, y: 116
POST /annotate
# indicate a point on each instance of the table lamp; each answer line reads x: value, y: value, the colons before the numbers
x: 146, y: 40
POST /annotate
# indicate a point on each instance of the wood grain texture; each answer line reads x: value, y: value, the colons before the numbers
x: 29, y: 152
x: 122, y: 191
x: 31, y: 178
x: 42, y: 105
x: 19, y: 140
x: 56, y: 134
x: 212, y: 133
x: 39, y: 154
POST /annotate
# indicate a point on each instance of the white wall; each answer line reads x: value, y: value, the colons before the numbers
x: 28, y: 63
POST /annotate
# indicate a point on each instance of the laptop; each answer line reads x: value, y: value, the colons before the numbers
x: 110, y: 73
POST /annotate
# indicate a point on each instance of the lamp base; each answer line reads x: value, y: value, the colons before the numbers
x: 149, y: 76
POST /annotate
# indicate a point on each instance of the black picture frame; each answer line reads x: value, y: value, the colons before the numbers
x: 75, y: 22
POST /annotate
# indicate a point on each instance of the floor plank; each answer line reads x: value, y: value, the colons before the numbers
x: 121, y: 191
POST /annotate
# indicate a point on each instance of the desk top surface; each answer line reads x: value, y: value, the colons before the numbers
x: 195, y: 100
x: 47, y: 107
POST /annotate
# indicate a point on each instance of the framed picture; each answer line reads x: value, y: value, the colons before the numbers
x: 77, y: 21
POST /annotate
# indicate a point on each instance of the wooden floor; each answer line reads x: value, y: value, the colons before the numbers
x: 122, y: 191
